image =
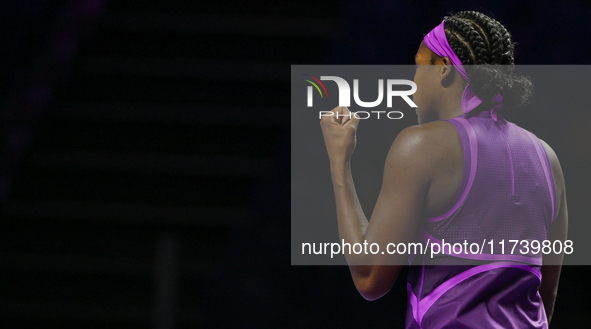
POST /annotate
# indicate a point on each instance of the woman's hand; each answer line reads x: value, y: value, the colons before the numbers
x: 339, y: 128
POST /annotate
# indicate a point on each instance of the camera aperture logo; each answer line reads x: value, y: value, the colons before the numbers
x: 345, y: 95
x: 315, y: 85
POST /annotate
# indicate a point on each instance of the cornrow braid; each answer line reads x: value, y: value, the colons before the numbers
x: 485, y: 48
x: 455, y: 34
x: 470, y: 37
x: 502, y: 46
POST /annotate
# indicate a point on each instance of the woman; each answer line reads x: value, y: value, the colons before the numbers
x: 463, y: 173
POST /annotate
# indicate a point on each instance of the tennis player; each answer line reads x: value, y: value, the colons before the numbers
x: 464, y: 173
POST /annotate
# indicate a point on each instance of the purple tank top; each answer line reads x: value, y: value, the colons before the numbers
x: 507, y: 193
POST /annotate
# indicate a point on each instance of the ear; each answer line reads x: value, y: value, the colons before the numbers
x: 445, y: 68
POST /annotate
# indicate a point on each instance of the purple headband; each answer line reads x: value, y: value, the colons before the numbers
x: 437, y: 42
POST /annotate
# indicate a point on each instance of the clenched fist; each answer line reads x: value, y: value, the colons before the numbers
x: 339, y: 128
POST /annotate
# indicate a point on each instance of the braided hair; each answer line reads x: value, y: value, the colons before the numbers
x: 487, y: 52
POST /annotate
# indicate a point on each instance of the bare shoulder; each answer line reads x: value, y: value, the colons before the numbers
x: 551, y: 154
x: 556, y: 168
x: 434, y: 146
x: 428, y: 140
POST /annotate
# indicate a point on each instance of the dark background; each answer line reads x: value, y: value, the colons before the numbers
x: 144, y: 161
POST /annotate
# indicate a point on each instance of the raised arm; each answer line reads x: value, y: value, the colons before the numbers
x: 558, y: 231
x: 407, y: 177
